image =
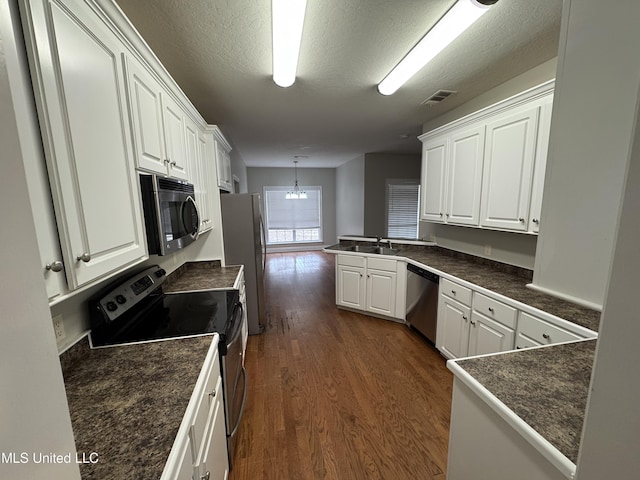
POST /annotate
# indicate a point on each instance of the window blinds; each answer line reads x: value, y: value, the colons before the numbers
x: 294, y: 214
x: 402, y: 208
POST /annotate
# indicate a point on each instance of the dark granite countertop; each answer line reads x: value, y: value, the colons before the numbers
x: 498, y: 277
x: 195, y: 276
x: 127, y: 402
x: 546, y: 387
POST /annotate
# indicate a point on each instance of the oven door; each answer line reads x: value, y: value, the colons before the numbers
x: 234, y: 381
x: 178, y: 218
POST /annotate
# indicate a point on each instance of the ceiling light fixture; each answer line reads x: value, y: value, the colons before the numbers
x: 455, y: 21
x: 287, y: 20
x: 296, y: 193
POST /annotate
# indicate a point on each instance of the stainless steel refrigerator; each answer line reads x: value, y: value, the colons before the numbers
x: 245, y: 243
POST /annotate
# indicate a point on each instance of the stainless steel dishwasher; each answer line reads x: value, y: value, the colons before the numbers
x: 422, y: 300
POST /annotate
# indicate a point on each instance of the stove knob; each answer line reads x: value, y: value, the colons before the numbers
x: 121, y: 299
x: 111, y: 306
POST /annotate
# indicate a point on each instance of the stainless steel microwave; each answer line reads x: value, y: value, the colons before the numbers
x: 170, y: 213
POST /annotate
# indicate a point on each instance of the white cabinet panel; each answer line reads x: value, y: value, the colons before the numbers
x: 146, y: 117
x: 540, y: 166
x: 488, y: 336
x: 465, y: 177
x: 381, y: 292
x: 508, y: 169
x: 351, y: 287
x: 452, y: 333
x: 79, y: 77
x: 174, y: 130
x: 434, y: 171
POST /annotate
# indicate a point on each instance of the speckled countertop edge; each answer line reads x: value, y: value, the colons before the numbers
x: 127, y: 402
x: 194, y: 276
x: 503, y: 279
x: 546, y: 387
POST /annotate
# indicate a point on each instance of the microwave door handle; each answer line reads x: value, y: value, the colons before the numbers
x: 195, y: 207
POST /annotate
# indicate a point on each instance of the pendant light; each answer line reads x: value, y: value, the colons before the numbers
x: 296, y: 193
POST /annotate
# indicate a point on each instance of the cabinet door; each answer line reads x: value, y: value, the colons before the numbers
x: 214, y: 463
x: 381, y: 292
x: 434, y: 171
x: 174, y: 137
x: 146, y: 117
x: 540, y: 166
x: 223, y: 162
x: 452, y: 333
x: 204, y: 200
x: 508, y: 168
x: 465, y: 177
x: 79, y: 82
x: 351, y: 287
x: 488, y: 336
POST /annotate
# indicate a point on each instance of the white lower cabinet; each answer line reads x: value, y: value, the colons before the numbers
x: 533, y: 332
x: 370, y: 284
x: 200, y: 447
x: 488, y: 327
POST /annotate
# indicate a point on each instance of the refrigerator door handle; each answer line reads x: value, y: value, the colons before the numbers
x: 264, y: 245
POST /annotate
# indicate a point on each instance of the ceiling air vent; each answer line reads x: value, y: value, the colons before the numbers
x: 438, y: 97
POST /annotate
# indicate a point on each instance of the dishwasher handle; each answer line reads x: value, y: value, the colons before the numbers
x: 423, y: 273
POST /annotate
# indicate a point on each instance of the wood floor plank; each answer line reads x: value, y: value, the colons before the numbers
x: 335, y: 394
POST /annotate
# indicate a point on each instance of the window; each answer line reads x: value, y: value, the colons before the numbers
x: 293, y: 221
x: 402, y: 208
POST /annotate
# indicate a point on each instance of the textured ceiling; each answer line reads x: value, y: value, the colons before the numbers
x: 219, y: 52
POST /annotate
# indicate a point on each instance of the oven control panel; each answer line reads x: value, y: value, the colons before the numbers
x: 130, y: 292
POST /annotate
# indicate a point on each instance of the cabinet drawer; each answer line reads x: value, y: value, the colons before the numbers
x: 541, y: 331
x: 210, y: 393
x: 382, y: 264
x: 455, y: 291
x: 494, y: 310
x: 351, y: 260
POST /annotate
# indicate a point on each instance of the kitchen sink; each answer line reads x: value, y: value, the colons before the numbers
x: 373, y: 249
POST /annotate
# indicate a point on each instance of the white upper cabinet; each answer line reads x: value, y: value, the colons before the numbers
x: 487, y: 170
x: 175, y: 137
x: 78, y: 75
x: 540, y: 165
x: 158, y: 124
x: 223, y: 161
x: 508, y: 169
x: 465, y: 175
x: 434, y: 171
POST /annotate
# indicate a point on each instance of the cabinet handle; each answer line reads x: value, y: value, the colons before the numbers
x: 473, y: 323
x: 440, y: 213
x: 167, y: 161
x: 360, y: 275
x: 447, y: 215
x: 521, y: 220
x: 56, y: 266
x: 546, y: 336
x: 85, y: 257
x: 464, y: 318
x: 518, y: 347
x: 491, y: 309
x: 453, y: 292
x: 206, y: 476
x: 174, y: 163
x: 535, y: 220
x: 212, y: 393
x: 368, y: 276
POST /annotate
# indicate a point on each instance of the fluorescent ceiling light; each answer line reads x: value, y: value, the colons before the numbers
x: 287, y: 21
x: 455, y: 21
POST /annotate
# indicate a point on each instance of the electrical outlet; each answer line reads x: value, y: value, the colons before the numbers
x: 58, y: 327
x: 487, y: 250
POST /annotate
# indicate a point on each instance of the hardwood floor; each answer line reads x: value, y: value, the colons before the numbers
x: 338, y: 395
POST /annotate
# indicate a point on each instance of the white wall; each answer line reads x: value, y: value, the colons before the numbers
x: 239, y: 169
x: 511, y: 248
x: 34, y: 414
x: 611, y: 434
x: 378, y: 167
x: 259, y: 177
x: 350, y: 197
x: 591, y: 131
